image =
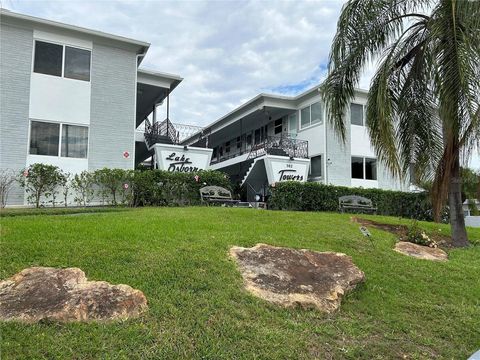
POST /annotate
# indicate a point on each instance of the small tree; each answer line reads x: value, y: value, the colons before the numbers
x: 111, y: 180
x: 40, y: 180
x: 83, y: 185
x: 7, y: 178
x: 66, y: 187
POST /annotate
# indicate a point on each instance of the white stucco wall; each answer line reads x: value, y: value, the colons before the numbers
x: 59, y: 99
x: 67, y: 164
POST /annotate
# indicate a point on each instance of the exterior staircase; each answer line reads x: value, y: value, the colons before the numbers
x: 250, y: 168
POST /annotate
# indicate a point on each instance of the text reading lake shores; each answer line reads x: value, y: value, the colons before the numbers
x: 180, y: 163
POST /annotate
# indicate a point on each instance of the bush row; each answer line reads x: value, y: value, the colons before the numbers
x: 319, y: 197
x: 48, y: 185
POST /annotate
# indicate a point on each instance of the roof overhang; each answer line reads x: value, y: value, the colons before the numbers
x: 12, y: 18
x: 152, y: 88
x: 262, y: 102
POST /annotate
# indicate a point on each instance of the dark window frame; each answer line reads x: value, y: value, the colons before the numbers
x: 316, y: 175
x: 367, y: 174
x: 72, y: 74
x: 363, y: 114
x: 310, y: 123
x: 355, y: 168
x: 36, y: 141
x: 63, y: 60
x: 59, y: 142
x: 39, y: 62
x: 371, y: 173
x: 278, y: 126
x: 64, y: 127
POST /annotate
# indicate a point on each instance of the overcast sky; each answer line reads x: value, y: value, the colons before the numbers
x: 226, y: 51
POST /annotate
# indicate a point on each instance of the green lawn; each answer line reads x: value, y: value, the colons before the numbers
x: 198, y: 309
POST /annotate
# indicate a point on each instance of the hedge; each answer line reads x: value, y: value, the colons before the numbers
x: 46, y: 183
x: 163, y: 188
x: 292, y: 195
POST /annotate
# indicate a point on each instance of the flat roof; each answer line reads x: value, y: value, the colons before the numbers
x: 143, y: 46
x: 160, y: 74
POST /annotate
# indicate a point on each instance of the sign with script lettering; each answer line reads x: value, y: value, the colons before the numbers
x: 280, y: 168
x: 177, y: 158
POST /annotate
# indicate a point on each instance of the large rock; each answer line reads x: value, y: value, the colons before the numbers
x: 290, y: 277
x: 420, y: 252
x: 43, y: 293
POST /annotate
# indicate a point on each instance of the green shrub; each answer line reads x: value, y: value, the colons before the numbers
x: 113, y: 184
x: 163, y: 188
x: 311, y: 196
x: 418, y: 236
x: 82, y: 184
x: 41, y: 181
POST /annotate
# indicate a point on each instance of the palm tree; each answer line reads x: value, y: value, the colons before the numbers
x: 423, y: 104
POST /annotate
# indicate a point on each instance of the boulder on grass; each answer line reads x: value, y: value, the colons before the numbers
x: 420, y: 251
x: 290, y: 277
x: 43, y: 293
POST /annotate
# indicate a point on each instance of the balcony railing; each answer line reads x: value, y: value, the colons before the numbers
x: 272, y: 145
x: 160, y: 132
x: 281, y: 146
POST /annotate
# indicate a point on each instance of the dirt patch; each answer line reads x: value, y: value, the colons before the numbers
x: 401, y: 231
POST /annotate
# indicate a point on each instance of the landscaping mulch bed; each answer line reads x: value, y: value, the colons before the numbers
x: 401, y: 231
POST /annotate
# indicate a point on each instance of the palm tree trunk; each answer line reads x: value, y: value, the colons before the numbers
x: 457, y: 221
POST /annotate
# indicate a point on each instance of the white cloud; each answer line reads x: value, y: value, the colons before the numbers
x: 227, y: 51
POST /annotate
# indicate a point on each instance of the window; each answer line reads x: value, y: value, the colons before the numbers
x: 214, y: 153
x: 316, y: 113
x: 277, y: 128
x: 239, y: 142
x: 305, y: 117
x: 292, y: 123
x: 311, y: 115
x: 77, y: 63
x: 371, y: 169
x: 227, y: 147
x: 44, y: 138
x: 316, y: 166
x: 74, y: 141
x: 48, y: 58
x: 257, y: 136
x: 356, y: 114
x: 364, y: 168
x: 357, y: 168
x: 249, y: 139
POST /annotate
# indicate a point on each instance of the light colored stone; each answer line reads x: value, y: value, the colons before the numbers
x: 420, y: 252
x: 290, y: 277
x: 43, y: 293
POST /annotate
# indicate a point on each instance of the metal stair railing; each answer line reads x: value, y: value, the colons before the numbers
x: 156, y: 132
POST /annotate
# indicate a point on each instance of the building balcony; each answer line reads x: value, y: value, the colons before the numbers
x: 271, y: 145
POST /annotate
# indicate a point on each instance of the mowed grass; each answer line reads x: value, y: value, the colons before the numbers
x: 178, y: 257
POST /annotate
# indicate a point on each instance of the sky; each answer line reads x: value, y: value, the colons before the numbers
x: 226, y: 51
